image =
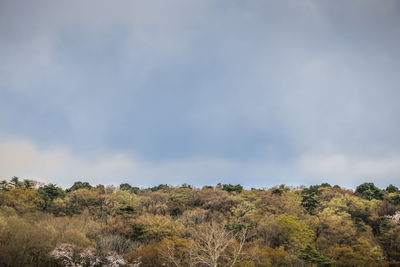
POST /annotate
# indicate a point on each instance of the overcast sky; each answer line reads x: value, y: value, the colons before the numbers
x: 252, y: 92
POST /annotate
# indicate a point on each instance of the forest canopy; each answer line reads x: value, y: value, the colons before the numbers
x: 222, y: 225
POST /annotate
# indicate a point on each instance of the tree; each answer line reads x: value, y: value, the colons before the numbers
x: 333, y: 227
x: 308, y: 200
x: 361, y: 254
x: 147, y: 256
x: 23, y: 200
x: 211, y: 241
x: 50, y: 192
x: 311, y: 255
x: 78, y: 185
x: 138, y: 232
x: 159, y: 187
x: 369, y: 191
x: 232, y: 188
x: 309, y: 203
x: 15, y: 182
x: 268, y: 256
x: 294, y: 232
x: 29, y: 184
x: 128, y: 187
x: 79, y: 200
x: 392, y: 189
x: 395, y: 199
x: 25, y: 243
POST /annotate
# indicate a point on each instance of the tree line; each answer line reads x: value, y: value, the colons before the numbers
x: 222, y: 225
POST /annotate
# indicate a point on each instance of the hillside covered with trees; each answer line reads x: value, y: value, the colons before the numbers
x: 222, y: 225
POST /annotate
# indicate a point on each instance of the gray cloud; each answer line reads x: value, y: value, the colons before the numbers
x: 252, y: 84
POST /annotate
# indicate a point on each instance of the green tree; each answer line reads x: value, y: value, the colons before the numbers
x: 308, y: 200
x: 50, y: 192
x: 15, y: 182
x: 79, y: 185
x: 128, y: 187
x: 369, y: 191
x: 392, y: 189
x: 311, y: 255
x: 232, y: 188
x: 138, y: 232
x: 29, y: 184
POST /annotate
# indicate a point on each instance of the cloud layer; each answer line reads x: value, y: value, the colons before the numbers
x: 259, y: 93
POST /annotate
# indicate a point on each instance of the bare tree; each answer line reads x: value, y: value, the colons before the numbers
x: 237, y: 250
x: 211, y: 242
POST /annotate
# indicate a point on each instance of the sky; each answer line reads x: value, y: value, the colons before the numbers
x: 202, y: 92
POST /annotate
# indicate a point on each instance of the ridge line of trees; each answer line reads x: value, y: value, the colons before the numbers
x: 222, y: 225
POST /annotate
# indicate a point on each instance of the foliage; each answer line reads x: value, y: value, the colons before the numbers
x: 310, y: 254
x: 23, y: 200
x: 138, y: 232
x: 295, y: 232
x: 392, y: 189
x: 128, y: 187
x: 308, y: 200
x: 223, y: 225
x: 50, y: 192
x: 78, y: 185
x: 159, y: 187
x: 232, y: 188
x: 369, y: 191
x: 268, y: 256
